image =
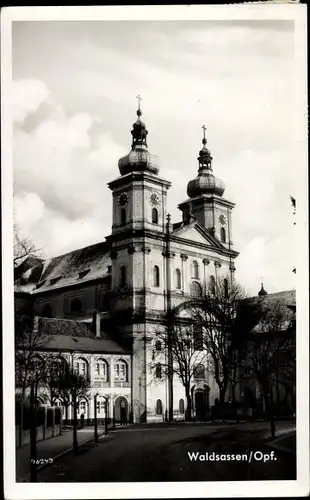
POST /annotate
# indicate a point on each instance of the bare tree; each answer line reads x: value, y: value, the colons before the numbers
x: 30, y: 366
x: 69, y: 388
x: 225, y: 316
x: 271, y: 353
x: 186, y: 350
x: 22, y: 246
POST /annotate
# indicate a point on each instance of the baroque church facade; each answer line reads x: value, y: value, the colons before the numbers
x: 100, y: 306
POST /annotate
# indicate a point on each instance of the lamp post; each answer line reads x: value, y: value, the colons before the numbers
x: 95, y: 418
x: 106, y: 406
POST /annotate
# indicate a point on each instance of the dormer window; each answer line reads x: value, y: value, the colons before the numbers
x: 54, y: 280
x: 41, y: 284
x: 82, y: 274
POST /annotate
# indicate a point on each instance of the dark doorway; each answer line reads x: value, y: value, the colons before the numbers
x: 121, y: 410
x: 200, y: 405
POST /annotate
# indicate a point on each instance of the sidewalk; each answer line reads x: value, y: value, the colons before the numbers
x: 51, y: 448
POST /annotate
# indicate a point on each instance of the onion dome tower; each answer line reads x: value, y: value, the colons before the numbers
x: 205, y: 182
x: 139, y: 159
x: 262, y: 291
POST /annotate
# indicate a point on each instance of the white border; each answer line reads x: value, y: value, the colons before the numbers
x: 248, y: 11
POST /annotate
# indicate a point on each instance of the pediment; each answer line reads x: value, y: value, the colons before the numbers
x: 195, y: 232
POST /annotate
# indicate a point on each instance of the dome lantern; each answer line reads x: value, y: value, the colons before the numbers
x: 205, y: 182
x: 139, y: 159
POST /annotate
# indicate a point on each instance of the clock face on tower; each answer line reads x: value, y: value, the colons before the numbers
x: 222, y: 220
x: 154, y: 199
x: 123, y: 200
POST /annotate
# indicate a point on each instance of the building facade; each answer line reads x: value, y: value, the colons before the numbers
x: 146, y: 265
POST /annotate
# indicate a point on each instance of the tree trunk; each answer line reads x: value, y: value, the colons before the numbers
x: 75, y: 443
x: 188, y: 415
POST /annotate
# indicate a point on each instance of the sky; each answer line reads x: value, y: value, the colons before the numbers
x: 74, y: 102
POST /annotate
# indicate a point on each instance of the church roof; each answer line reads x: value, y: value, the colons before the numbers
x: 66, y: 343
x: 287, y: 297
x: 70, y: 335
x: 78, y: 266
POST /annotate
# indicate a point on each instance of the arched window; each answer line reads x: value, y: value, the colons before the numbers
x: 154, y: 216
x: 225, y: 282
x: 195, y: 269
x: 178, y: 279
x: 196, y: 290
x: 156, y: 276
x: 199, y: 372
x: 76, y: 306
x: 181, y: 406
x: 58, y: 366
x: 197, y: 334
x: 123, y: 216
x: 223, y: 235
x: 212, y: 285
x: 122, y: 276
x: 158, y: 370
x: 121, y: 371
x: 82, y: 406
x: 81, y: 367
x: 159, y: 407
x: 47, y: 311
x: 37, y: 365
x: 102, y: 369
x: 158, y: 345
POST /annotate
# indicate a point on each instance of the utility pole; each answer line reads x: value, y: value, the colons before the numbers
x: 33, y: 435
x: 95, y: 419
x: 169, y: 325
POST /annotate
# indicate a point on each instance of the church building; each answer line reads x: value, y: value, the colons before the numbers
x: 110, y: 296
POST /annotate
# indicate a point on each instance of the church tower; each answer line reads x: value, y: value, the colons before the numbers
x: 137, y: 244
x: 206, y: 202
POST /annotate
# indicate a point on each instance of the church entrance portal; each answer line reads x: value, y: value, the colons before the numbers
x: 202, y: 403
x: 121, y: 410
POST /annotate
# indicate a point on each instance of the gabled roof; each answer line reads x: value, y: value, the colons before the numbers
x: 79, y: 266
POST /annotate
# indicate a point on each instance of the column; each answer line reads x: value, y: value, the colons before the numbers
x: 217, y: 265
x: 206, y: 262
x: 184, y: 258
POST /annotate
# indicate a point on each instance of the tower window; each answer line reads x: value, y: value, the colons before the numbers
x: 196, y: 290
x: 123, y: 216
x: 178, y: 279
x: 195, y: 269
x: 223, y: 235
x: 123, y: 276
x: 154, y: 216
x: 158, y: 370
x: 212, y: 285
x: 156, y: 276
x: 158, y: 345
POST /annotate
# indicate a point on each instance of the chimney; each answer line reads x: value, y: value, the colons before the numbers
x: 96, y: 324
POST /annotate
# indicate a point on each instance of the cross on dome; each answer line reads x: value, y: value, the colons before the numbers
x: 139, y: 112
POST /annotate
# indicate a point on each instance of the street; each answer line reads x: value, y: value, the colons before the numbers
x: 162, y: 453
